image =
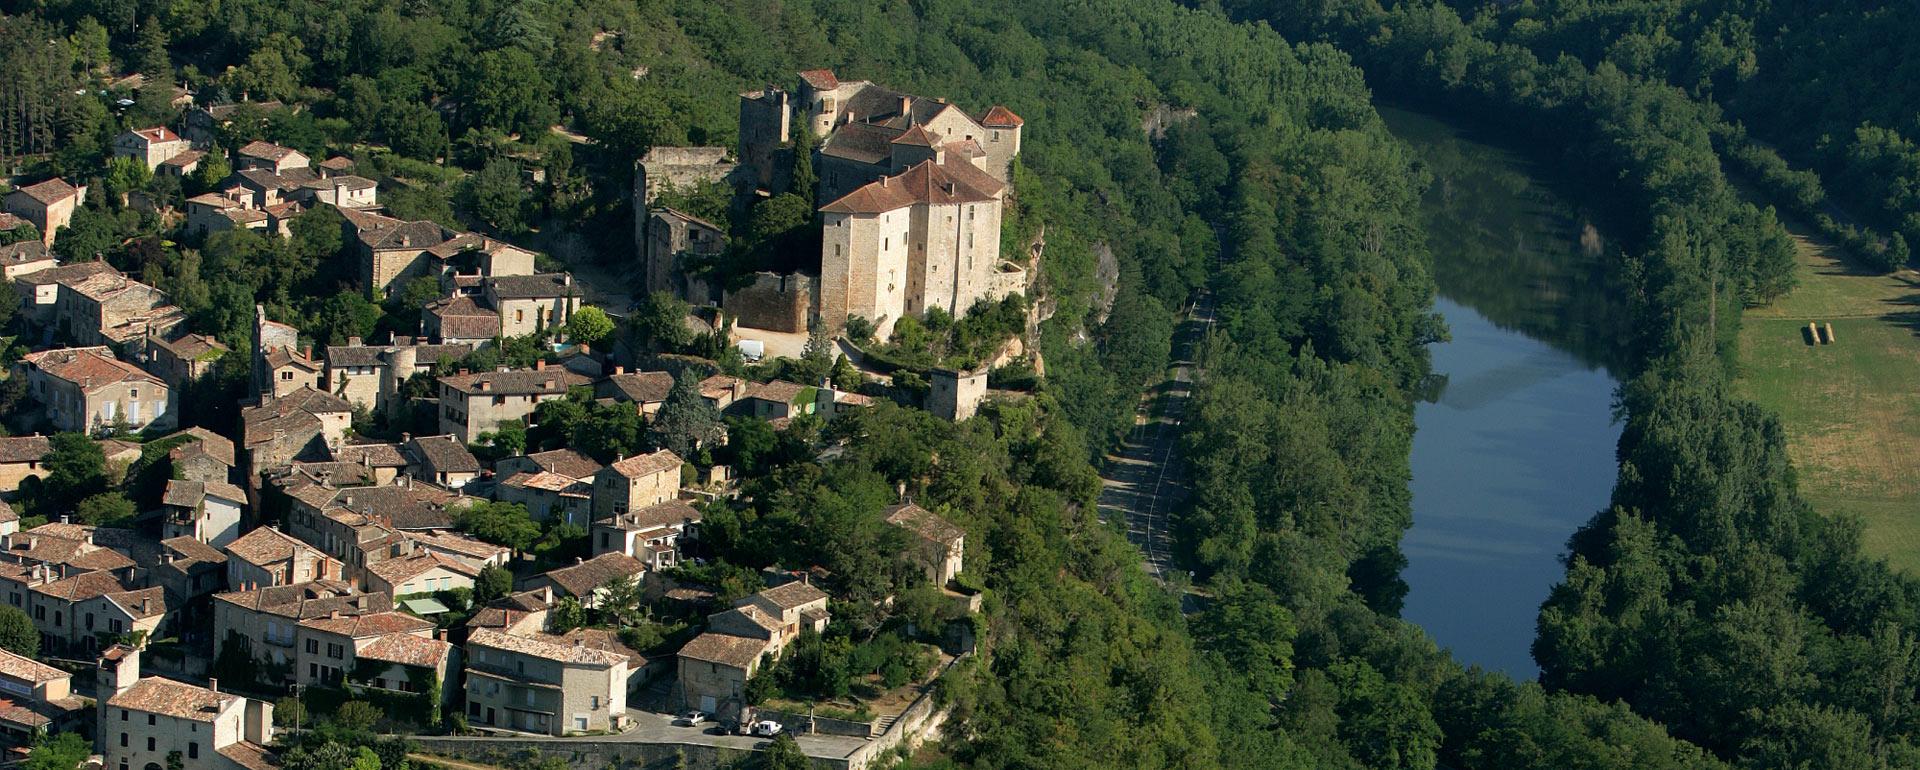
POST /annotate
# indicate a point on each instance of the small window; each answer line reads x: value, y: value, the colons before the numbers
x: 123, y: 715
x: 150, y: 743
x: 123, y: 740
x: 152, y: 720
x: 286, y: 376
x: 193, y: 750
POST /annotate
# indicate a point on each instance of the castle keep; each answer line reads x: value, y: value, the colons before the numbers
x: 911, y: 191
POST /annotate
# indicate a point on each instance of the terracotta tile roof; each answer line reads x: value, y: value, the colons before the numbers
x: 192, y: 347
x: 915, y: 136
x: 407, y: 506
x: 792, y: 595
x: 372, y: 624
x: 566, y: 462
x: 336, y: 163
x: 638, y: 387
x: 291, y: 414
x: 665, y: 514
x: 609, y: 640
x: 861, y: 143
x: 50, y: 192
x: 821, y: 79
x: 398, y: 571
x: 726, y: 649
x: 283, y: 357
x: 250, y: 755
x: 90, y: 368
x: 7, y: 513
x: 65, y: 274
x: 406, y: 650
x: 155, y: 695
x: 647, y: 464
x: 348, y: 181
x: 420, y: 235
x: 266, y: 545
x: 444, y: 454
x: 105, y: 559
x: 205, y: 442
x: 62, y: 529
x: 719, y: 385
x: 925, y: 183
x: 184, y: 159
x: 923, y: 522
x: 460, y: 545
x: 266, y: 151
x: 777, y: 391
x: 24, y: 449
x: 539, y: 286
x: 374, y: 455
x: 24, y: 252
x: 547, y: 481
x: 10, y: 221
x: 189, y: 494
x: 1001, y: 117
x: 81, y: 587
x: 461, y: 318
x: 156, y: 134
x: 516, y: 382
x: 194, y: 549
x: 27, y: 669
x: 142, y: 603
x: 225, y: 111
x: 544, y: 646
x: 312, y: 599
x: 581, y: 580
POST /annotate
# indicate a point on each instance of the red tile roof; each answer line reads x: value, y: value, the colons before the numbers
x: 50, y: 192
x: 926, y: 183
x: 1001, y: 117
x: 822, y: 79
x: 90, y: 368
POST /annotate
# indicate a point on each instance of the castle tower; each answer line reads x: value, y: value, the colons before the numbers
x: 766, y: 119
x: 956, y: 395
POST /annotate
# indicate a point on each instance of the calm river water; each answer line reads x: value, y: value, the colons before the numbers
x: 1514, y: 446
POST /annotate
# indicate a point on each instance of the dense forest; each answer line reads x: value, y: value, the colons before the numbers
x: 1708, y: 601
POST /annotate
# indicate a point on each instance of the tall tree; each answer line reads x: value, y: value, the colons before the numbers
x: 686, y: 420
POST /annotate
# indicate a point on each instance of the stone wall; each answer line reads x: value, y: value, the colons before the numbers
x: 824, y: 725
x: 774, y: 301
x: 680, y: 167
x: 590, y: 752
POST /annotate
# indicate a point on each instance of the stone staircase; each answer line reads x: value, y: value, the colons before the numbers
x: 884, y: 723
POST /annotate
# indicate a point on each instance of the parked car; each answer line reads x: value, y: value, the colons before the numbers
x: 692, y: 718
x: 766, y: 728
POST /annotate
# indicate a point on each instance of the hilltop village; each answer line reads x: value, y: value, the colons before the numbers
x: 493, y: 522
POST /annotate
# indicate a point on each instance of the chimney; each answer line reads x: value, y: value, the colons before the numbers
x: 306, y: 352
x: 335, y: 615
x: 906, y: 103
x: 353, y: 341
x: 486, y: 385
x: 619, y: 370
x: 213, y: 684
x: 578, y: 560
x: 405, y: 437
x: 539, y: 364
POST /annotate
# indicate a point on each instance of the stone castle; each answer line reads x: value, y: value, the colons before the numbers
x: 911, y: 192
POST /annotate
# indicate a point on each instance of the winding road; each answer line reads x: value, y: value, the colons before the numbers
x: 1144, y: 479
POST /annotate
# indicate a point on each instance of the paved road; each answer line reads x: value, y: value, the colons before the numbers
x: 650, y: 727
x: 1145, y: 479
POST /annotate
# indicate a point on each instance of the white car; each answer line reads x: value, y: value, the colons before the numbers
x: 692, y: 718
x: 766, y: 728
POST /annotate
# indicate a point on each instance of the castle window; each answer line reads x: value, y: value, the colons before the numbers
x: 836, y: 249
x: 993, y: 137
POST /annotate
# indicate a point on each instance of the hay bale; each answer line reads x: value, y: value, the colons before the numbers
x: 1828, y: 329
x: 1813, y: 333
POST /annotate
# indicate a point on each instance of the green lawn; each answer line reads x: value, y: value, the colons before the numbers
x: 1851, y: 408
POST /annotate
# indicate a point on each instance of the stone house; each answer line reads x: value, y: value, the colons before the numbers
x: 714, y: 667
x: 459, y: 320
x: 778, y: 399
x: 939, y: 546
x: 553, y: 483
x: 263, y: 619
x: 633, y: 483
x: 371, y: 376
x: 62, y: 549
x: 48, y: 205
x: 363, y: 526
x: 206, y: 456
x: 543, y: 684
x: 234, y: 209
x: 442, y: 460
x: 645, y: 390
x: 112, y: 309
x: 587, y: 579
x: 40, y: 290
x: 75, y: 613
x: 325, y: 647
x: 189, y: 571
x: 671, y: 243
x: 303, y: 425
x: 181, y: 164
x: 289, y: 370
x: 722, y: 390
x: 378, y: 464
x: 183, y: 360
x: 268, y: 157
x: 868, y: 131
x: 208, y: 511
x: 38, y: 700
x: 152, y: 146
x: 532, y: 303
x: 797, y: 606
x: 474, y: 403
x: 651, y: 534
x: 21, y: 457
x: 268, y: 557
x: 143, y: 721
x: 88, y: 389
x: 24, y: 257
x: 423, y: 572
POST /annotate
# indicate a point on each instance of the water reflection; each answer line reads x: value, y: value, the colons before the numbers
x: 1514, y: 448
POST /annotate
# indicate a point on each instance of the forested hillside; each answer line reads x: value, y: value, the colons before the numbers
x: 1709, y: 597
x: 1713, y: 601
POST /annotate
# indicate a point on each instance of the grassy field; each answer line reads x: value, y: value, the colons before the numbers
x: 1851, y: 408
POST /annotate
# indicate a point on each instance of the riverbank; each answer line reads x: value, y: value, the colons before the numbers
x: 1851, y: 409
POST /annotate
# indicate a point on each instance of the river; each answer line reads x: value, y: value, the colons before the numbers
x: 1514, y: 441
